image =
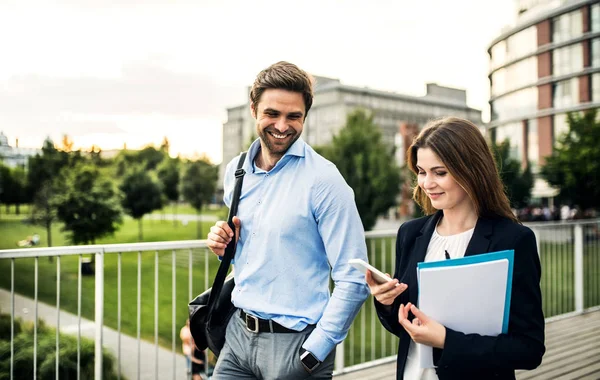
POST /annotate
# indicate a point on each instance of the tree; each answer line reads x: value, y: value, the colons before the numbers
x: 44, y: 212
x: 87, y: 202
x: 44, y: 167
x: 5, y: 184
x: 199, y: 183
x: 142, y: 195
x: 168, y: 175
x: 151, y: 157
x: 574, y: 166
x: 17, y: 193
x: 517, y: 181
x: 165, y: 146
x: 367, y: 164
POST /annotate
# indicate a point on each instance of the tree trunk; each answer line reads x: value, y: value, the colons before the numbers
x: 49, y: 233
x: 140, y: 230
x: 49, y: 240
x: 17, y: 211
x: 175, y: 213
x: 198, y: 225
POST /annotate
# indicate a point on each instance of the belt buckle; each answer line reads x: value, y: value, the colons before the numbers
x: 256, y: 325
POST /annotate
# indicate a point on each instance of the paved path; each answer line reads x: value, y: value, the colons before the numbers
x: 170, y: 366
x: 572, y: 352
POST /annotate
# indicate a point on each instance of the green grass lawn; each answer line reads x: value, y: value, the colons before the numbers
x: 154, y: 230
x: 24, y: 210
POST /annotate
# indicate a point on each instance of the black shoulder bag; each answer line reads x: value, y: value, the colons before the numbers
x: 211, y: 311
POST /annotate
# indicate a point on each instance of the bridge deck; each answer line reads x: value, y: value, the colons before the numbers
x: 572, y: 352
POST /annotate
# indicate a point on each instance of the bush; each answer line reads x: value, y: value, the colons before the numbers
x: 46, y: 354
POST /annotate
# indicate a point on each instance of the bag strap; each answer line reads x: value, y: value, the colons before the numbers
x: 230, y: 249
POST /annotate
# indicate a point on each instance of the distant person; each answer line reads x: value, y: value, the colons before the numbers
x: 468, y: 213
x: 35, y: 240
x: 298, y: 227
x: 565, y: 212
x: 198, y: 364
x: 187, y: 344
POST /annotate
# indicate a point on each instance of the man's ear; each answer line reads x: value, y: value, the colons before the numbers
x: 253, y: 110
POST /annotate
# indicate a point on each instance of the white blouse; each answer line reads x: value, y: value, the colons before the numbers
x: 455, y: 245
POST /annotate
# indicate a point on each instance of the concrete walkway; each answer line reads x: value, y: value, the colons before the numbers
x: 170, y: 365
x: 572, y: 352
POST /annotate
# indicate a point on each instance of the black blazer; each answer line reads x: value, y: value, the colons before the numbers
x: 472, y: 356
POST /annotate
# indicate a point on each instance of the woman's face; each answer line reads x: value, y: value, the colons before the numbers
x: 439, y: 185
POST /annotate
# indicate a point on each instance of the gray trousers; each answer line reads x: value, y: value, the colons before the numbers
x: 265, y: 356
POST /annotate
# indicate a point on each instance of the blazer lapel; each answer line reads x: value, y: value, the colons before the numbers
x: 418, y: 253
x: 480, y: 241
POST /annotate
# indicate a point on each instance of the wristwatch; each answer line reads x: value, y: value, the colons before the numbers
x: 309, y: 361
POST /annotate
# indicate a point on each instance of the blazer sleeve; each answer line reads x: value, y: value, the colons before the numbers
x: 388, y: 316
x: 523, y: 346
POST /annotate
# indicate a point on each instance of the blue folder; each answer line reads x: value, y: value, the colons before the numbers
x: 481, y: 258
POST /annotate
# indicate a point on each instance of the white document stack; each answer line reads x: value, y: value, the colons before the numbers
x: 470, y: 295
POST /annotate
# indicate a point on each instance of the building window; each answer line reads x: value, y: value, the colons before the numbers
x: 498, y: 53
x: 565, y: 93
x: 521, y: 103
x: 560, y: 126
x: 521, y: 43
x: 567, y: 26
x: 567, y: 60
x: 595, y: 17
x: 515, y: 76
x: 512, y: 132
x: 596, y: 87
x: 533, y: 147
x: 595, y: 52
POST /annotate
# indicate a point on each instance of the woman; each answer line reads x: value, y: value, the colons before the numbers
x: 468, y: 213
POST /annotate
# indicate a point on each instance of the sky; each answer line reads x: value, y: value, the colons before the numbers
x: 131, y: 72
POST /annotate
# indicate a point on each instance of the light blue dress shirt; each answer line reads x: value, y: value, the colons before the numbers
x: 298, y: 221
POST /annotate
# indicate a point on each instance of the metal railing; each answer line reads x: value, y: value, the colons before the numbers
x: 134, y: 274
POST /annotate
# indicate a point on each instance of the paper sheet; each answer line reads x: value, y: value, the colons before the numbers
x: 469, y: 298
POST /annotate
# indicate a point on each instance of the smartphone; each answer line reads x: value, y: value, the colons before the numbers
x: 378, y: 275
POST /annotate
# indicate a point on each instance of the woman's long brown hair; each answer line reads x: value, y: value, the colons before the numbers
x: 465, y: 153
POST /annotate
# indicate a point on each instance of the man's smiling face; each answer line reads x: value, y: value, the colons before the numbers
x: 279, y: 118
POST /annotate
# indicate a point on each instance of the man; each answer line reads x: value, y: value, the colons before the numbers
x: 297, y: 224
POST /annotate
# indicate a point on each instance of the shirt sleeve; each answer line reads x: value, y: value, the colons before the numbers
x: 343, y: 237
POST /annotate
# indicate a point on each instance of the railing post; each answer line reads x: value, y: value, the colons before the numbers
x: 99, y: 313
x: 339, y: 357
x: 578, y: 268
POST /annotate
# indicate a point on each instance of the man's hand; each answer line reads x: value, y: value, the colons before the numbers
x: 385, y: 293
x: 422, y: 329
x: 220, y: 235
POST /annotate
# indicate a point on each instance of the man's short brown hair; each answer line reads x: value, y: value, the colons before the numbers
x: 286, y: 76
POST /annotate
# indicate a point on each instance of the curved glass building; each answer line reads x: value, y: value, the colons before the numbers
x: 544, y: 66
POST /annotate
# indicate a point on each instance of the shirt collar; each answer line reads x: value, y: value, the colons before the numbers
x: 297, y: 149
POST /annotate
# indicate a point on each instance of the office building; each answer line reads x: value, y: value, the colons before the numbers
x: 334, y: 101
x: 543, y: 66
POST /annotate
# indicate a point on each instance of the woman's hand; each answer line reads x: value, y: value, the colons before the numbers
x: 422, y: 329
x: 385, y: 293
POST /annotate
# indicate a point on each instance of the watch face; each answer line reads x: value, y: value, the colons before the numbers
x: 309, y: 360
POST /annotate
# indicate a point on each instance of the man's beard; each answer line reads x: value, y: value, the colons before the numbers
x: 271, y: 144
